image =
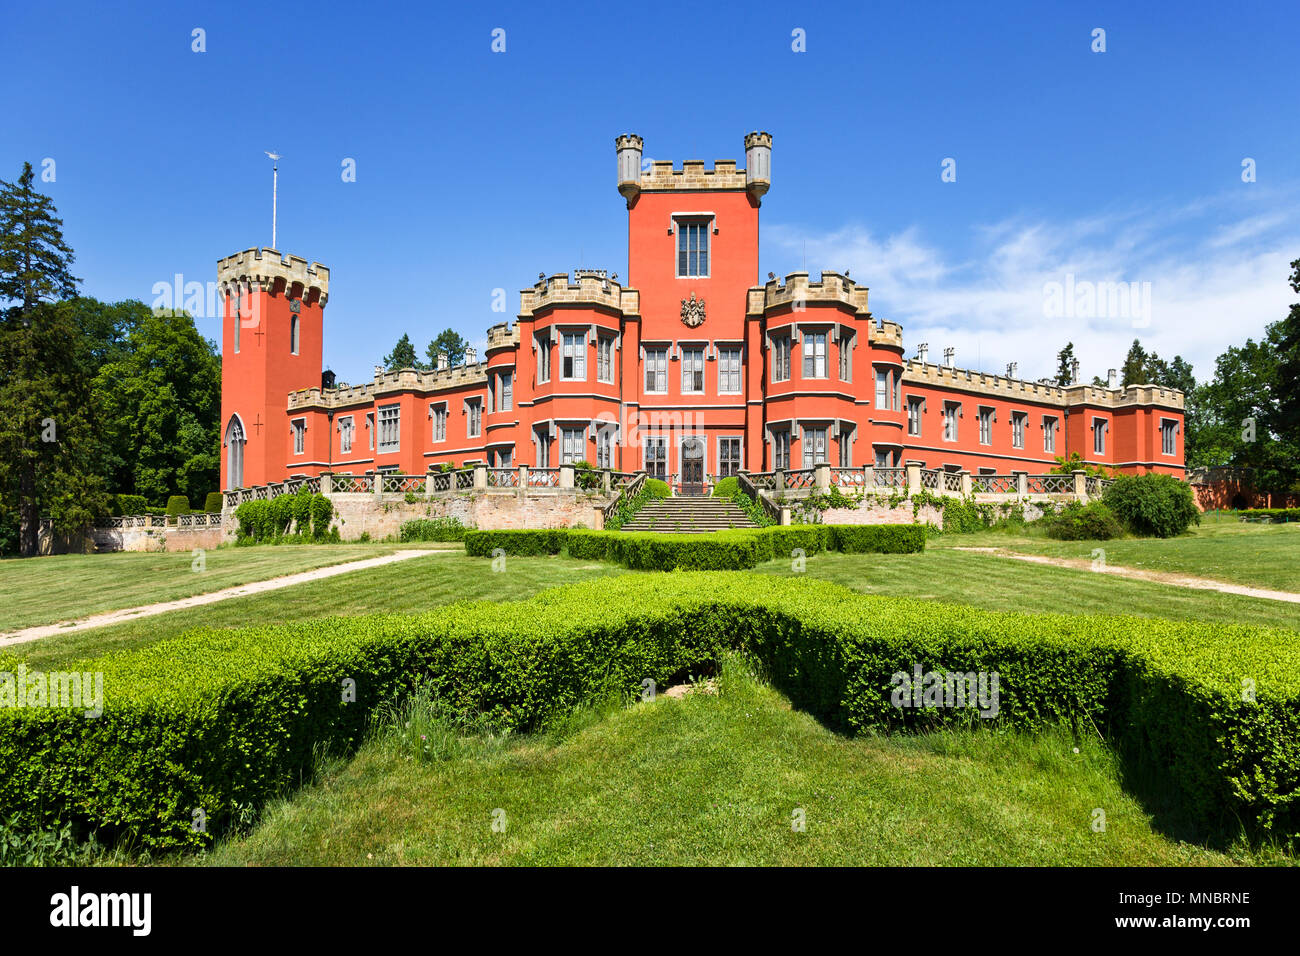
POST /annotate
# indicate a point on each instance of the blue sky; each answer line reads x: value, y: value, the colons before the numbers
x: 477, y: 170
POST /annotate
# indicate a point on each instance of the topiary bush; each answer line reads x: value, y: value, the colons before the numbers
x: 300, y: 518
x: 227, y: 719
x: 1153, y: 506
x: 657, y: 488
x: 130, y: 505
x: 177, y: 505
x: 212, y: 503
x: 726, y: 487
x: 1080, y: 522
x: 878, y: 538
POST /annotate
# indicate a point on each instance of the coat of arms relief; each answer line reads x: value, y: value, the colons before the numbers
x: 693, y: 311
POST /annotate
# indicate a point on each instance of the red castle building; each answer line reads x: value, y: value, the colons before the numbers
x: 691, y: 369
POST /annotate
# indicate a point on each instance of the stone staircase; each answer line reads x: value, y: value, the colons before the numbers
x: 687, y: 514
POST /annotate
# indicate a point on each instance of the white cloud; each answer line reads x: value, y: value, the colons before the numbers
x: 1217, y: 272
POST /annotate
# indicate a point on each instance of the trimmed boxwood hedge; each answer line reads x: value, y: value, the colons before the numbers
x: 224, y: 720
x: 737, y: 549
x: 1270, y: 514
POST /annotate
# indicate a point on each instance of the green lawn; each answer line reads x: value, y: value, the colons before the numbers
x: 1222, y: 548
x: 716, y: 780
x: 939, y: 574
x: 70, y: 586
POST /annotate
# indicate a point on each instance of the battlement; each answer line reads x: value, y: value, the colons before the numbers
x: 693, y: 176
x: 587, y: 287
x: 267, y: 269
x: 502, y: 336
x: 1001, y: 386
x: 423, y: 381
x: 796, y: 287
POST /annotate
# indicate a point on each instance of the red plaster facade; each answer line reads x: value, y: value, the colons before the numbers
x: 693, y: 369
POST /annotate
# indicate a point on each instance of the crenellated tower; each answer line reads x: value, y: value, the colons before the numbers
x: 272, y: 338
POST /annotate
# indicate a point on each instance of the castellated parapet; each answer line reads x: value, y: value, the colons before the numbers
x: 267, y: 269
x: 422, y: 381
x: 587, y: 288
x: 1000, y: 386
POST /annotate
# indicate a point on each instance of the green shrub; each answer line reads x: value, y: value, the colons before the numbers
x: 657, y: 488
x: 432, y: 529
x: 1153, y: 505
x: 130, y: 505
x: 809, y: 538
x: 718, y: 551
x: 752, y: 509
x: 1080, y: 522
x: 302, y: 517
x: 223, y: 720
x: 878, y: 538
x: 212, y: 504
x: 726, y: 487
x: 178, y: 505
x: 1270, y: 514
x: 528, y: 541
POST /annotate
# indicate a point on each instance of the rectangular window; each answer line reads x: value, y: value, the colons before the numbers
x: 951, y: 411
x: 345, y: 435
x: 882, y: 389
x: 574, y: 359
x: 605, y: 359
x: 605, y: 448
x: 544, y: 358
x: 474, y: 418
x: 656, y: 458
x: 1168, y: 437
x: 846, y: 447
x: 390, y: 437
x: 1018, y: 420
x: 781, y: 358
x: 656, y: 370
x: 1049, y: 434
x: 293, y: 334
x: 439, y: 423
x: 882, y: 459
x: 846, y: 357
x: 781, y: 449
x: 986, y: 426
x: 299, y: 435
x: 692, y: 370
x: 729, y: 370
x: 543, y: 449
x: 813, y: 446
x: 370, y: 429
x: 506, y: 392
x: 1099, y: 436
x: 814, y: 355
x: 914, y: 415
x: 572, y: 447
x: 728, y: 456
x: 692, y: 248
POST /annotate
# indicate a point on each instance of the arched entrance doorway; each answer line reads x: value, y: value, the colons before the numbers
x: 692, y: 466
x: 234, y: 453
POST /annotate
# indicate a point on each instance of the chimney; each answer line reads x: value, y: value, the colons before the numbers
x: 471, y: 356
x: 923, y: 352
x: 379, y: 370
x: 1011, y: 369
x: 948, y: 354
x: 1111, y: 378
x: 1074, y: 371
x: 442, y: 362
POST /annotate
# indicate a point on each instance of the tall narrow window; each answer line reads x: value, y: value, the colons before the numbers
x: 234, y: 453
x: 692, y: 370
x: 572, y: 445
x: 951, y: 411
x: 605, y: 358
x: 781, y: 358
x: 781, y: 449
x: 1018, y: 429
x: 345, y: 435
x: 299, y: 435
x: 914, y: 415
x: 846, y: 446
x: 605, y: 448
x: 729, y: 370
x: 986, y: 426
x: 1049, y: 434
x: 882, y: 389
x: 656, y: 370
x: 813, y: 446
x: 370, y: 429
x: 692, y: 248
x: 506, y: 392
x: 390, y: 435
x: 814, y: 355
x: 1099, y: 436
x: 544, y: 358
x: 293, y: 334
x: 656, y: 457
x: 846, y: 357
x: 474, y: 418
x: 439, y: 423
x: 1168, y: 437
x: 574, y: 359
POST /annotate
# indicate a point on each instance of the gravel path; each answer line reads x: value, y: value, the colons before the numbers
x: 1158, y: 577
x: 240, y: 590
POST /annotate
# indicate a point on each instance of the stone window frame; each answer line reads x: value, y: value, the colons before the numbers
x: 392, y: 426
x: 298, y: 430
x: 346, y: 433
